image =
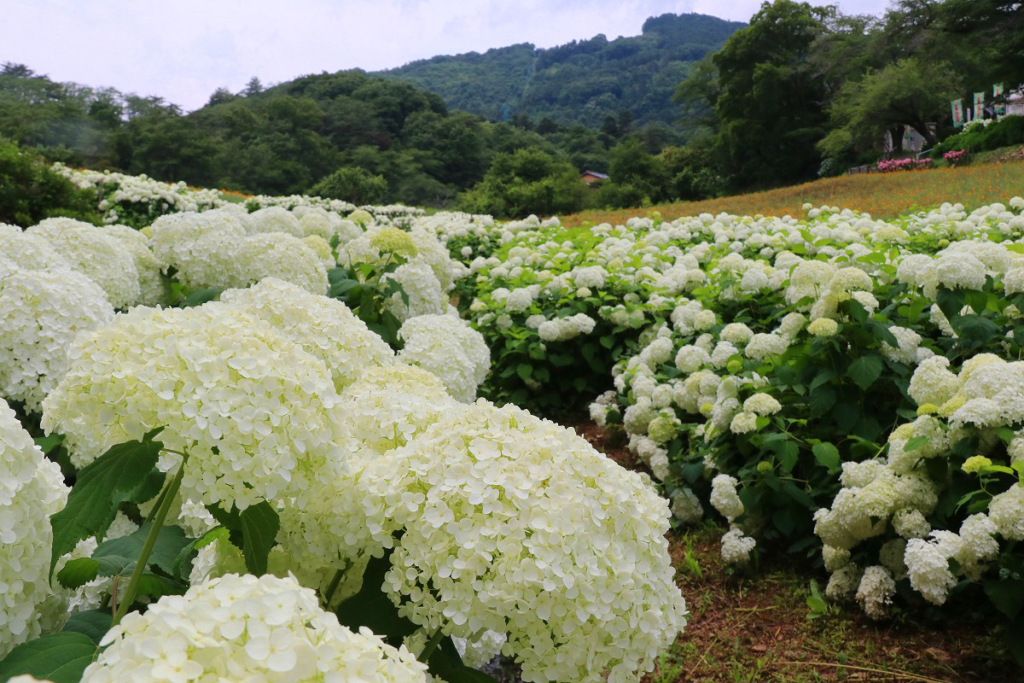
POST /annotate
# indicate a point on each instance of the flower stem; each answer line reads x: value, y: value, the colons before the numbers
x: 166, y: 498
x: 333, y: 587
x: 431, y: 645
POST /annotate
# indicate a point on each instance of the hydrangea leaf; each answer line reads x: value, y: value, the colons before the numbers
x: 169, y: 543
x: 94, y: 624
x: 59, y: 657
x: 865, y: 370
x: 827, y: 455
x: 93, y: 500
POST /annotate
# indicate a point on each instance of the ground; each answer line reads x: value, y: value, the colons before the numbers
x: 755, y: 626
x: 883, y: 195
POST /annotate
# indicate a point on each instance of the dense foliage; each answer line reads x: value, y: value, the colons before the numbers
x: 984, y: 135
x: 30, y: 191
x: 873, y: 77
x: 580, y: 82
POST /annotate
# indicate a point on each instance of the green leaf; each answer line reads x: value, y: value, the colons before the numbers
x: 48, y: 443
x: 949, y: 302
x: 882, y: 334
x: 915, y: 443
x: 467, y: 675
x: 788, y: 453
x: 974, y: 331
x: 93, y: 500
x: 827, y: 455
x: 525, y: 371
x: 93, y: 624
x: 169, y: 542
x: 59, y: 657
x: 799, y: 495
x: 1006, y: 596
x: 201, y: 296
x: 78, y: 572
x: 260, y: 524
x: 371, y: 606
x: 1005, y: 434
x: 865, y: 370
x: 821, y: 401
x: 823, y: 377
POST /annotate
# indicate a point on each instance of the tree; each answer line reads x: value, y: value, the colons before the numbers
x: 999, y: 24
x: 252, y: 88
x: 770, y: 101
x: 353, y: 185
x: 911, y: 92
x: 16, y: 70
x: 528, y: 181
x: 220, y: 96
x: 632, y: 166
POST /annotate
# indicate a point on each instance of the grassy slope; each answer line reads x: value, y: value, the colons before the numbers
x: 883, y: 195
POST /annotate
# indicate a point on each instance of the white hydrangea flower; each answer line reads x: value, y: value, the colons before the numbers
x: 41, y: 313
x: 98, y: 256
x: 251, y: 407
x: 497, y: 516
x: 763, y: 346
x: 448, y: 348
x: 823, y: 327
x: 29, y: 251
x: 31, y: 489
x: 324, y: 327
x: 875, y: 592
x: 282, y: 256
x: 478, y: 652
x: 724, y: 497
x: 736, y: 547
x: 834, y: 558
x: 421, y: 286
x: 246, y: 628
x: 1007, y: 513
x: 564, y: 329
x: 928, y: 565
x: 932, y: 382
x: 315, y: 224
x: 843, y: 583
x: 153, y: 289
x: 201, y: 247
x: 690, y: 358
x: 686, y: 506
x: 762, y: 404
x: 910, y: 523
x: 274, y: 219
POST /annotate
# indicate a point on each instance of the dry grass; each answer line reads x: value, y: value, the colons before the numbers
x: 883, y: 195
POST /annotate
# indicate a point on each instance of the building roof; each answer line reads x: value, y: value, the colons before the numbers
x: 602, y: 176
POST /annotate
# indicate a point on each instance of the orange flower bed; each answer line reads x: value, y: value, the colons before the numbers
x: 883, y: 195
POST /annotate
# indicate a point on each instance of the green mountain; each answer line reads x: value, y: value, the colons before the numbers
x: 579, y: 82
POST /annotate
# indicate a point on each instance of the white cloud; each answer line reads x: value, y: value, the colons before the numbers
x: 184, y: 50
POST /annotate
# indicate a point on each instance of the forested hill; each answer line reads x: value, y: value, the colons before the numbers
x: 582, y: 81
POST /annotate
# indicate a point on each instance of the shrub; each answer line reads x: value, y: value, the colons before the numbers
x: 30, y: 191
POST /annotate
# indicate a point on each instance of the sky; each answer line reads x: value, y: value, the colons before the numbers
x: 186, y: 49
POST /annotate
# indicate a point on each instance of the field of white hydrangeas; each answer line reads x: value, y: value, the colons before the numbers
x: 242, y: 441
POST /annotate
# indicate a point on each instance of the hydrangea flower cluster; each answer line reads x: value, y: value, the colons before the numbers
x: 254, y: 410
x: 31, y: 489
x: 92, y: 252
x: 324, y: 327
x: 41, y: 313
x: 448, y: 348
x: 244, y: 627
x: 496, y: 528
